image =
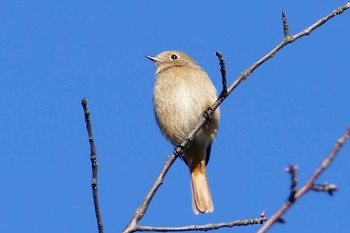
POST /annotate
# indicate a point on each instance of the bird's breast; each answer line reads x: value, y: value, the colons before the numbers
x: 179, y: 100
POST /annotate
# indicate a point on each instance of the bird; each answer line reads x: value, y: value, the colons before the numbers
x: 182, y: 92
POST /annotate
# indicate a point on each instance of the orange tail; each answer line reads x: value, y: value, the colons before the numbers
x: 201, y: 198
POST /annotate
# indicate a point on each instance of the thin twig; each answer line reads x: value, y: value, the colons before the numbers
x: 236, y: 223
x: 292, y: 171
x: 309, y: 184
x: 281, y: 45
x: 329, y: 188
x: 94, y: 165
x: 223, y: 73
x: 285, y: 25
x: 139, y: 213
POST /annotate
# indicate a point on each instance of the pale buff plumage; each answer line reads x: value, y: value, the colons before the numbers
x: 182, y: 92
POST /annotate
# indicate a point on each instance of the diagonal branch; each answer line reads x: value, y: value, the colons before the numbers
x: 309, y: 184
x: 139, y: 213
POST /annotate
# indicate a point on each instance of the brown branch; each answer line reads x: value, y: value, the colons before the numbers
x: 309, y: 184
x: 94, y: 165
x: 139, y: 213
x: 244, y: 222
x: 281, y: 45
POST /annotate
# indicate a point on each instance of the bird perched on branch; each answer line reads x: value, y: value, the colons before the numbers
x: 182, y: 92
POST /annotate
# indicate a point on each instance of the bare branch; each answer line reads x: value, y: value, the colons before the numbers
x: 244, y: 222
x: 292, y: 171
x: 94, y: 165
x: 329, y: 188
x: 281, y: 45
x: 139, y: 213
x: 310, y: 183
x: 285, y: 25
x: 223, y: 73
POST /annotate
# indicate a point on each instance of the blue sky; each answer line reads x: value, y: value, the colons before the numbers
x: 291, y: 110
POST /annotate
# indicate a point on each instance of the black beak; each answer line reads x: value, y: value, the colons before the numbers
x: 154, y: 59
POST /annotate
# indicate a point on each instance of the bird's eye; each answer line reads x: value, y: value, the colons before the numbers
x: 174, y: 56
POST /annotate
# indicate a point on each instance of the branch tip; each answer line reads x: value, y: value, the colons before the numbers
x: 285, y: 26
x: 94, y: 165
x: 262, y: 214
x: 328, y: 188
x: 292, y: 170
